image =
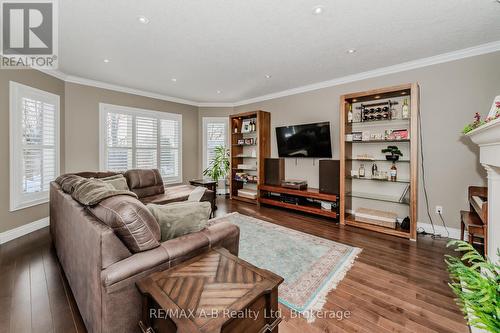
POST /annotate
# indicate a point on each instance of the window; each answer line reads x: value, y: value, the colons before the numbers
x: 215, y: 133
x: 136, y: 138
x: 34, y: 145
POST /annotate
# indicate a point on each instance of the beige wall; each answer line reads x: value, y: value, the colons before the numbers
x: 82, y: 126
x: 10, y: 220
x: 450, y: 94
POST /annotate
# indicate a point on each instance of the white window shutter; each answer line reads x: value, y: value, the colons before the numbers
x: 34, y: 135
x: 118, y: 141
x: 146, y: 134
x: 216, y: 136
x: 215, y: 133
x: 169, y: 148
x: 136, y: 138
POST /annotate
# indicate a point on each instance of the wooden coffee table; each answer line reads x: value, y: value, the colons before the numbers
x: 213, y: 292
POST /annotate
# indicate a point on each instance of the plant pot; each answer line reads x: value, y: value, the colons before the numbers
x: 392, y: 157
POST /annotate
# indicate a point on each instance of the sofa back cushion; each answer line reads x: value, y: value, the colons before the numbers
x: 119, y: 182
x: 130, y: 220
x: 145, y: 182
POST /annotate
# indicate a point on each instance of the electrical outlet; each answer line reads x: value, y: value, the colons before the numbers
x: 439, y: 210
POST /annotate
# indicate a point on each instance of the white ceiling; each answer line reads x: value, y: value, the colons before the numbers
x: 230, y: 45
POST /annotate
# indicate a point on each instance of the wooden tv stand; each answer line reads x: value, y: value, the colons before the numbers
x: 312, y: 193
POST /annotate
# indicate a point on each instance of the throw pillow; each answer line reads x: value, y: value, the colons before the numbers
x: 180, y: 218
x: 119, y: 182
x: 90, y: 192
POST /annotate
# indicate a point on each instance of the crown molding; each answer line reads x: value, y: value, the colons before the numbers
x: 217, y: 105
x: 406, y: 66
x: 109, y: 86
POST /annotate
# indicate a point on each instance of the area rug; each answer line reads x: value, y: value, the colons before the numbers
x: 311, y: 266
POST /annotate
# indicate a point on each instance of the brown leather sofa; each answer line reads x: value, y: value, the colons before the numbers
x: 102, y: 271
x: 148, y: 185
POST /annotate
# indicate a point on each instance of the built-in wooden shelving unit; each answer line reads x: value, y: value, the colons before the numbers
x: 312, y: 206
x: 249, y: 154
x: 376, y: 193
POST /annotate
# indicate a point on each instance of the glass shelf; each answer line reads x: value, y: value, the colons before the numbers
x: 377, y: 197
x: 240, y: 156
x: 375, y: 160
x: 378, y: 141
x: 379, y: 122
x: 405, y: 181
x: 252, y: 132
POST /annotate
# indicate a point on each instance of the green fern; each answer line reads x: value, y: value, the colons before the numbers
x: 476, y: 282
x: 219, y: 166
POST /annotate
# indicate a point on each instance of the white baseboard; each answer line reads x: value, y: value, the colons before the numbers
x: 454, y: 232
x: 11, y: 234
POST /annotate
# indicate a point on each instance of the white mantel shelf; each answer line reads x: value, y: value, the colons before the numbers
x: 487, y: 137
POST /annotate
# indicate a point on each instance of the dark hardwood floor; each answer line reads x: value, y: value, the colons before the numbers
x: 394, y: 286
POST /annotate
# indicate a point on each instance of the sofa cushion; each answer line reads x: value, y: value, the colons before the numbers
x: 145, y: 182
x: 119, y: 182
x: 180, y: 218
x: 130, y: 220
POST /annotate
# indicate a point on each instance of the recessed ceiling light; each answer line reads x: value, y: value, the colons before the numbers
x: 106, y: 60
x: 218, y: 91
x: 404, y: 93
x: 318, y: 10
x: 143, y: 19
x: 268, y: 76
x: 351, y: 51
x: 355, y: 100
x: 174, y: 79
x: 377, y: 96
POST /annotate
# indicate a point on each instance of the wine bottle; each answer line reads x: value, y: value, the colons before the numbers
x: 374, y: 169
x: 394, y: 172
x: 405, y: 110
x: 349, y: 114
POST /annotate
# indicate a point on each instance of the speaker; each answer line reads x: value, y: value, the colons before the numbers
x: 274, y: 171
x: 329, y: 176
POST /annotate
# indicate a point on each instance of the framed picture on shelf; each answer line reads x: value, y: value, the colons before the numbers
x: 249, y: 141
x: 245, y: 126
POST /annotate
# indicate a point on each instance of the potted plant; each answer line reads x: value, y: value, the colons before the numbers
x: 476, y: 282
x: 219, y: 166
x: 395, y: 153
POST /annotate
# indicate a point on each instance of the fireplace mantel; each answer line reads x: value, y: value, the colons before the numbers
x: 487, y: 137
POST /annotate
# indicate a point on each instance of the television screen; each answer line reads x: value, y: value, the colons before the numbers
x: 309, y: 140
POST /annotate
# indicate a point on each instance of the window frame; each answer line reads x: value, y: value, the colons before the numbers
x: 205, y: 122
x: 105, y: 108
x: 18, y: 199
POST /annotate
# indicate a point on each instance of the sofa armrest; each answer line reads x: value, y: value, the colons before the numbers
x: 132, y: 266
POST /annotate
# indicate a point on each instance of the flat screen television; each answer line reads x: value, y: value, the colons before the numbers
x: 308, y: 140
